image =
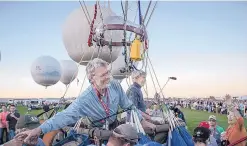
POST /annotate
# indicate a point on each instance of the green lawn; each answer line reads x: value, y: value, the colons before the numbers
x: 193, y: 117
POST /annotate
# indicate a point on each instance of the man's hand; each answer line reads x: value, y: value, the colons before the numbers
x: 148, y: 125
x: 31, y: 136
x: 12, y: 115
x: 17, y: 141
x: 158, y: 120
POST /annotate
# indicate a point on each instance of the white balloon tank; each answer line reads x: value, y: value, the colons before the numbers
x: 117, y: 66
x: 46, y: 71
x: 69, y: 71
x: 76, y: 33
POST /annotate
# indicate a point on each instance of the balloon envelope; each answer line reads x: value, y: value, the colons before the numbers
x: 46, y: 71
x: 69, y: 71
x: 76, y: 33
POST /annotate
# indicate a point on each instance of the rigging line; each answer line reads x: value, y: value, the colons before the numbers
x: 122, y: 7
x: 124, y: 34
x: 67, y: 87
x: 151, y: 13
x: 145, y: 90
x: 126, y: 11
x: 86, y: 9
x: 134, y: 22
x: 84, y: 12
x: 152, y: 78
x: 155, y: 76
x: 147, y: 10
x: 101, y: 16
x: 94, y: 50
x: 82, y: 84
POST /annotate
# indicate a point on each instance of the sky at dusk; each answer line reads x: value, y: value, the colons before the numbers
x: 203, y: 44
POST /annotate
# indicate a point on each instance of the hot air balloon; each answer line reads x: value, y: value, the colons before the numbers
x: 69, y: 71
x: 46, y: 71
x: 76, y: 32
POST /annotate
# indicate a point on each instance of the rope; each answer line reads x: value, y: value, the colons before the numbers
x: 85, y: 75
x: 134, y: 22
x: 152, y: 78
x: 146, y: 89
x: 155, y: 74
x: 147, y: 11
x: 67, y: 87
x: 122, y: 7
x: 82, y: 84
x: 151, y: 13
x: 90, y: 38
x: 101, y: 16
x: 84, y: 12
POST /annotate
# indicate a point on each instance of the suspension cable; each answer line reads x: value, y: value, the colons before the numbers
x: 155, y: 75
x: 67, y: 87
x: 147, y: 11
x: 152, y: 78
x: 151, y: 13
x: 84, y: 13
x: 86, y: 10
x: 101, y: 16
x: 86, y: 73
x: 82, y: 84
x: 134, y: 22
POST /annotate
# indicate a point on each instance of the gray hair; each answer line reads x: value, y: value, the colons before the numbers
x: 92, y: 65
x: 137, y: 73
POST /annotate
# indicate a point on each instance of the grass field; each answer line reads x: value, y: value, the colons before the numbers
x: 193, y: 117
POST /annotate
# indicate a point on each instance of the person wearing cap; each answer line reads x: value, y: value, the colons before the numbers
x: 135, y: 94
x: 123, y: 135
x: 179, y: 113
x: 211, y: 141
x: 215, y: 129
x: 201, y: 136
x: 101, y: 99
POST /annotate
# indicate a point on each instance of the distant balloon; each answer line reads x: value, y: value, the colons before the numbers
x: 76, y: 33
x: 69, y: 71
x: 46, y: 71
